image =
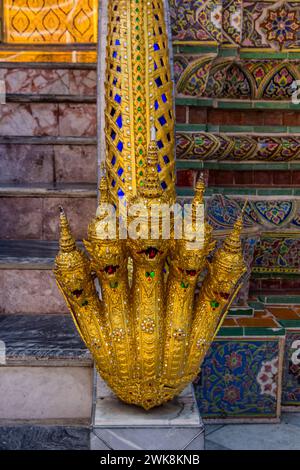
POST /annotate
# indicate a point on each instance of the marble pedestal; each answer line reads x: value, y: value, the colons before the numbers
x: 174, y: 426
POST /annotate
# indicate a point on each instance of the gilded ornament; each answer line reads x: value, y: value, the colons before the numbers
x: 150, y: 332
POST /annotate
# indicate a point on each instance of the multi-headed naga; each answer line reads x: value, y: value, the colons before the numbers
x: 147, y: 329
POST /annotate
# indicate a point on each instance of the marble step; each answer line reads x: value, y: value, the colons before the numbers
x: 46, y: 373
x: 176, y: 425
x: 49, y: 79
x: 26, y: 277
x: 31, y: 211
x: 48, y: 160
x: 43, y: 437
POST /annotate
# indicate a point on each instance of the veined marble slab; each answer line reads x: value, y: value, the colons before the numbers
x: 176, y: 425
x: 110, y: 411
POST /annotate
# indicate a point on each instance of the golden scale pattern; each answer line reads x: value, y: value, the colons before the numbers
x: 46, y: 21
x: 149, y: 333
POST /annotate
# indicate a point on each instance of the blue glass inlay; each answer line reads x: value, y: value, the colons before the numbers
x: 115, y: 55
x: 118, y: 98
x: 166, y: 159
x: 119, y: 122
x: 155, y: 65
x: 158, y: 168
x: 115, y: 81
x: 113, y: 183
x: 164, y: 98
x: 156, y: 105
x: 162, y: 120
x: 120, y: 171
x: 160, y: 145
x: 117, y: 43
x: 156, y: 47
x: 118, y: 69
x: 113, y: 135
x: 113, y: 160
x: 120, y: 146
x: 164, y: 185
x: 121, y: 193
x: 158, y: 82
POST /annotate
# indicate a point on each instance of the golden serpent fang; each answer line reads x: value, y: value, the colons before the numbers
x: 149, y: 333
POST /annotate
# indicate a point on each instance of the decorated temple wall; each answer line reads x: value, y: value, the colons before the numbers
x: 234, y: 71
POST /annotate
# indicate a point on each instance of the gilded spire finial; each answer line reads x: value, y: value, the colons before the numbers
x: 152, y: 187
x: 103, y: 187
x: 233, y: 242
x: 66, y: 240
x: 198, y: 197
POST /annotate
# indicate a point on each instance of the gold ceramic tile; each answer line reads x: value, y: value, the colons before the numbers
x: 50, y: 22
x: 74, y: 57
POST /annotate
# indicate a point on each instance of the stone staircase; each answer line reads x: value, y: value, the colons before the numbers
x: 47, y: 158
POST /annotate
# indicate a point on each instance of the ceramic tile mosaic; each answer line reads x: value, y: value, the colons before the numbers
x: 240, y: 379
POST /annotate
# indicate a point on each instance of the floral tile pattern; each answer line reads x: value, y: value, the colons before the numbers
x: 291, y: 369
x: 239, y: 379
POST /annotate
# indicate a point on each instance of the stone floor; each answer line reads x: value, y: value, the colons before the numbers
x: 283, y: 436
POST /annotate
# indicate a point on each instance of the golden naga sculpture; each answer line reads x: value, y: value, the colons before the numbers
x: 147, y: 330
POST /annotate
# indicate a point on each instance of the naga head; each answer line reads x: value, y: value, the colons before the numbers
x: 107, y: 252
x: 190, y: 251
x: 72, y: 267
x: 147, y: 216
x: 227, y: 266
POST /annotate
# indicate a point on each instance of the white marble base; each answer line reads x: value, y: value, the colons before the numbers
x: 174, y: 426
x: 46, y: 394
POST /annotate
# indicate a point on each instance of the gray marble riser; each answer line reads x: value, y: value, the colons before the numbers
x: 50, y: 79
x: 46, y: 373
x: 31, y: 212
x: 26, y: 277
x: 39, y: 160
x: 48, y: 119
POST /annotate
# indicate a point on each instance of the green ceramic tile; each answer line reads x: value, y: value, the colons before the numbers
x: 256, y: 305
x: 293, y: 55
x: 213, y: 128
x: 290, y: 323
x: 294, y: 129
x: 194, y: 102
x: 230, y: 331
x: 228, y: 52
x: 270, y: 129
x: 233, y: 104
x: 263, y: 55
x: 233, y: 191
x: 254, y: 331
x: 272, y: 105
x: 196, y: 49
x: 190, y: 127
x: 185, y: 191
x: 233, y: 166
x: 241, y: 312
x: 281, y: 299
x: 237, y: 129
x: 190, y: 164
x: 275, y: 192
